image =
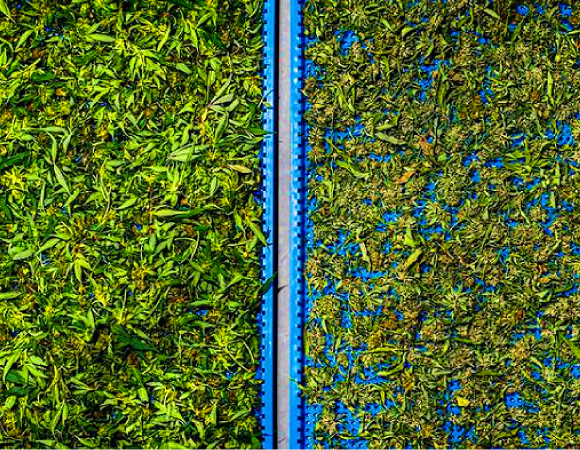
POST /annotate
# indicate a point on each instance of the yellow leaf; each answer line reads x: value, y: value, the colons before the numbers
x: 462, y: 401
x: 413, y: 258
x: 239, y: 168
x: 407, y: 175
x: 365, y: 256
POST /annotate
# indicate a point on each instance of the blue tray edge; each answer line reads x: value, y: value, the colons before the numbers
x: 267, y: 166
x: 297, y: 234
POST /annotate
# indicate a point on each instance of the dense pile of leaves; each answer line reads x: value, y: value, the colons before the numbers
x: 129, y: 223
x: 443, y: 257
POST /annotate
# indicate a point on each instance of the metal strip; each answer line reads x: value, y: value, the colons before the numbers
x: 283, y: 226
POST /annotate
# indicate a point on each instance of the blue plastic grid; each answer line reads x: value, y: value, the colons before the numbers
x: 297, y: 229
x: 267, y: 167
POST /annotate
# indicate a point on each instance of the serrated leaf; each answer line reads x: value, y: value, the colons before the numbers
x: 128, y: 203
x: 241, y: 169
x: 550, y: 85
x: 412, y: 259
x: 177, y: 213
x: 352, y: 170
x: 4, y: 9
x: 10, y: 401
x: 24, y: 36
x: 164, y: 39
x: 38, y: 361
x: 183, y: 68
x: 23, y: 255
x: 49, y: 244
x: 9, y: 295
x: 174, y: 445
x: 98, y: 37
x: 573, y: 347
x: 13, y: 358
x: 188, y: 153
x: 61, y: 179
x: 391, y: 139
x: 256, y: 230
x: 87, y: 442
x: 406, y: 30
x: 55, y: 420
x: 78, y: 270
x: 54, y: 148
x: 395, y: 369
x: 223, y: 99
x: 492, y: 13
x: 66, y: 142
x: 142, y: 393
x: 365, y: 256
x: 409, y: 241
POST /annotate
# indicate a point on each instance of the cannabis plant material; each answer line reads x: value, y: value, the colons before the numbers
x: 129, y: 223
x: 443, y: 243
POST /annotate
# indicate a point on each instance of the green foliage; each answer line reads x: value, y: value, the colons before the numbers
x: 444, y: 260
x: 129, y: 271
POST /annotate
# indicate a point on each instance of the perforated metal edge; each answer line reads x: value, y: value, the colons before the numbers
x: 297, y: 221
x: 267, y: 167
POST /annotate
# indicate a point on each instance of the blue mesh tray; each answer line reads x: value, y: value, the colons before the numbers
x: 296, y: 435
x: 303, y: 416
